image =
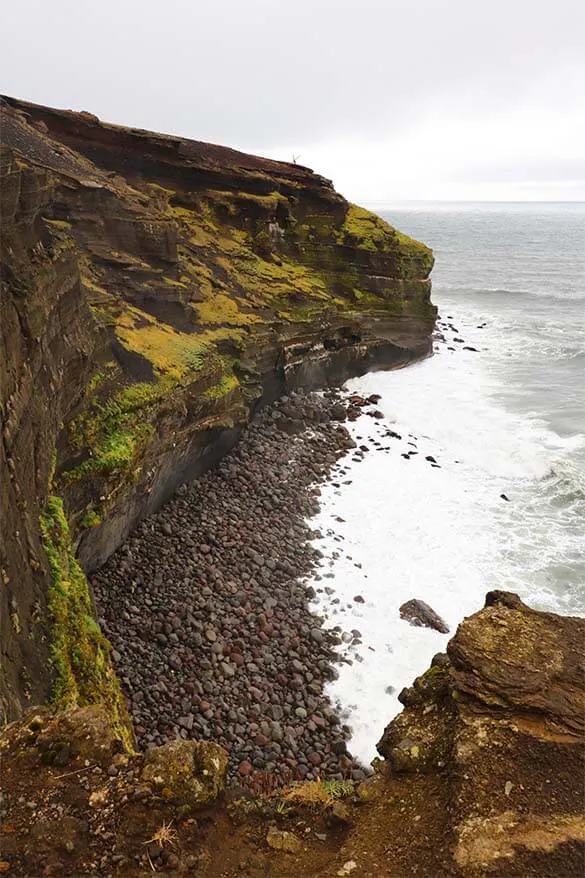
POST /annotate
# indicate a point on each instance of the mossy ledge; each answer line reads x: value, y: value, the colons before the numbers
x: 80, y: 654
x: 155, y: 292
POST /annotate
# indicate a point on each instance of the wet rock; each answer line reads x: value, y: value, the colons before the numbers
x: 338, y: 412
x: 419, y: 613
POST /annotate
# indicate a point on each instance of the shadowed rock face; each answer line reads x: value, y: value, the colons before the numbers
x: 155, y: 291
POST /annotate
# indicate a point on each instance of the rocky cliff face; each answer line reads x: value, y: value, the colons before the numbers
x: 154, y: 292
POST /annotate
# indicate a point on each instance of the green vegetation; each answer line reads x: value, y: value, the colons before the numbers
x: 114, y: 432
x: 226, y: 384
x: 91, y: 518
x: 80, y: 653
x: 373, y: 233
x: 369, y: 230
x: 228, y: 291
x: 318, y: 793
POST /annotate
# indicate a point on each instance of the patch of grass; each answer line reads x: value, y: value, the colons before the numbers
x: 318, y: 793
x: 226, y: 384
x: 170, y: 351
x: 223, y: 309
x: 80, y: 654
x: 91, y: 518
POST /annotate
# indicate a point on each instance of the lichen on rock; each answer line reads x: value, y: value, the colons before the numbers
x: 187, y: 773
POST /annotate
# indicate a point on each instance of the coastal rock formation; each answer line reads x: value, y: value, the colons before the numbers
x: 500, y: 726
x: 154, y: 292
x: 420, y: 614
x: 186, y: 773
x: 482, y: 776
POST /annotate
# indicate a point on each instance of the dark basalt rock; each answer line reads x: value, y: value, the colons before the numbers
x: 420, y: 614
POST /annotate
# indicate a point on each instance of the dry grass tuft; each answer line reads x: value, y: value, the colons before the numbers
x: 319, y: 792
x: 165, y: 834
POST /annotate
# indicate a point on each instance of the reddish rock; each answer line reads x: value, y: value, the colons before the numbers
x: 245, y: 768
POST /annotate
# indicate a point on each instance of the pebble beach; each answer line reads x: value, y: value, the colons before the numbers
x: 207, y: 612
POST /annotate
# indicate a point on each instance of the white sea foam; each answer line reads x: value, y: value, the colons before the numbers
x: 508, y: 419
x: 444, y: 535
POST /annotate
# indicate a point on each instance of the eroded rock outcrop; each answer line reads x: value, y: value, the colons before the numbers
x: 155, y: 291
x: 420, y: 614
x: 501, y: 724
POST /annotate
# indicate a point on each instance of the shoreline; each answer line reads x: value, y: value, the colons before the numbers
x: 200, y: 680
x: 207, y: 609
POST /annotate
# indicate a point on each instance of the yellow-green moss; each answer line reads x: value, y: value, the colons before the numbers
x: 91, y: 518
x: 225, y: 385
x: 59, y: 224
x: 220, y: 308
x: 114, y: 432
x: 80, y: 653
x: 171, y: 352
x: 371, y: 232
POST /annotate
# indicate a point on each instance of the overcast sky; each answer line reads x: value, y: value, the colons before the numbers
x: 393, y: 100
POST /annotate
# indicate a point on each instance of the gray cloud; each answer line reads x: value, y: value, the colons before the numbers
x: 271, y: 75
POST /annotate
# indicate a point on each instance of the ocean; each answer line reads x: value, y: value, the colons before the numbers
x: 505, y: 419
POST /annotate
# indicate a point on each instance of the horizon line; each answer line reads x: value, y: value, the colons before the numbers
x: 476, y: 201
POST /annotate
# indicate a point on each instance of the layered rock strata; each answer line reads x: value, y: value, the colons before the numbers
x: 155, y: 291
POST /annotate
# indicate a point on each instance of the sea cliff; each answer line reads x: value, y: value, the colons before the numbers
x: 155, y: 292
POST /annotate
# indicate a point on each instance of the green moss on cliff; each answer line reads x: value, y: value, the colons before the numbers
x: 226, y: 384
x: 370, y: 232
x: 114, y: 432
x: 80, y: 653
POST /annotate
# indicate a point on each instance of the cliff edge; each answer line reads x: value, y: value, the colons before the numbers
x: 154, y: 292
x: 482, y: 775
